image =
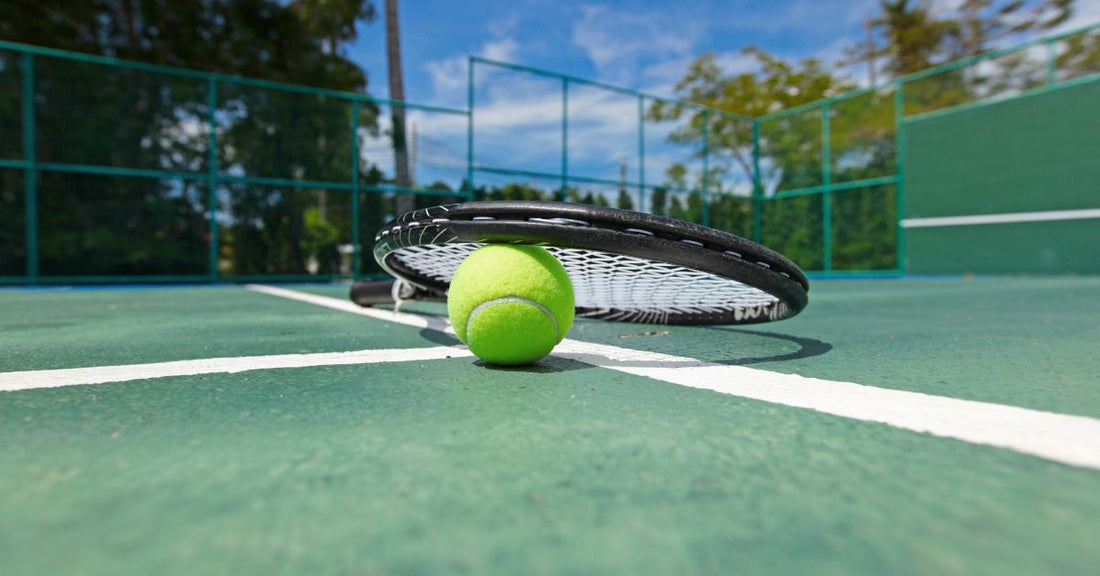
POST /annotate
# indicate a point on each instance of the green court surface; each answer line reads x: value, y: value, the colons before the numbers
x: 422, y: 460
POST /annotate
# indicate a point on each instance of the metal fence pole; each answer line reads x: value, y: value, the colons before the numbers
x: 470, y: 128
x: 706, y: 167
x: 826, y: 192
x: 899, y: 187
x: 564, y: 195
x: 757, y: 186
x: 356, y: 248
x: 641, y: 153
x: 1052, y: 63
x: 212, y: 172
x: 30, y: 172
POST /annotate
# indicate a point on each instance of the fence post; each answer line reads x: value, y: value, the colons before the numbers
x: 30, y: 171
x: 641, y: 153
x: 470, y: 128
x: 212, y: 172
x: 564, y: 194
x: 706, y: 167
x: 899, y: 186
x: 757, y: 186
x: 1052, y: 63
x: 356, y: 248
x: 826, y: 192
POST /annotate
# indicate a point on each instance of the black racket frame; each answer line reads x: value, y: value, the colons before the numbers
x: 604, y: 229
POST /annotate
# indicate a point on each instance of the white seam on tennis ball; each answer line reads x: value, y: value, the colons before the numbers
x: 504, y: 299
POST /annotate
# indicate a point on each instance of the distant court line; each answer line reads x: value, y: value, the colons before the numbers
x: 1073, y: 440
x: 1007, y: 218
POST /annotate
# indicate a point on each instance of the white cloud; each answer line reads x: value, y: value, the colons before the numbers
x: 1085, y: 12
x: 501, y: 49
x: 450, y: 75
x: 620, y: 42
x: 803, y: 17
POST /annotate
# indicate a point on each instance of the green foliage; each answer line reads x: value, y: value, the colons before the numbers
x: 1080, y: 55
x: 97, y: 224
x: 586, y: 197
x: 864, y: 229
x: 12, y: 250
x: 980, y: 24
x: 511, y: 191
x: 624, y: 202
x: 861, y: 129
x: 914, y: 38
x: 776, y: 85
x: 658, y: 202
x: 290, y: 41
x: 862, y: 132
x: 91, y: 114
x: 732, y: 214
x: 793, y: 226
x: 910, y: 36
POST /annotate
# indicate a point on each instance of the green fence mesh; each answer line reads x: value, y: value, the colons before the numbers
x: 13, y: 232
x: 11, y: 112
x: 120, y: 171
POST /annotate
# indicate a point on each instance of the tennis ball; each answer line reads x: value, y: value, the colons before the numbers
x: 511, y: 304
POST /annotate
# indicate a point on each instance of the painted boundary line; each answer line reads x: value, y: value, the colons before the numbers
x: 1008, y: 218
x: 32, y: 379
x: 1073, y: 440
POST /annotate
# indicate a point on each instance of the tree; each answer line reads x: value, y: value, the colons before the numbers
x: 910, y: 37
x: 333, y: 21
x: 658, y: 202
x: 140, y: 119
x: 775, y: 85
x: 624, y: 201
x: 1081, y: 55
x: 984, y: 23
x: 913, y: 39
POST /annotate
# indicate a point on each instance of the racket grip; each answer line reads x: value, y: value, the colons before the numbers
x: 372, y: 293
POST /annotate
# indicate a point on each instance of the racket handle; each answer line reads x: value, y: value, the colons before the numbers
x: 372, y: 293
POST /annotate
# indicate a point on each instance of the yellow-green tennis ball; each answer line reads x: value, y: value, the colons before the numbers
x: 511, y: 304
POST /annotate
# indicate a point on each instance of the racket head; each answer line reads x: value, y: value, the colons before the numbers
x: 625, y: 266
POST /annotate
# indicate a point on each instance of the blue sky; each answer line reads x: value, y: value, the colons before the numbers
x: 639, y: 44
x: 644, y: 45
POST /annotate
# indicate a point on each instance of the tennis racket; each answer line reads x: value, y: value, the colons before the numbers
x: 625, y: 266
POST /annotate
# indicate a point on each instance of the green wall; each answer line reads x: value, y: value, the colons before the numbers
x: 1034, y: 153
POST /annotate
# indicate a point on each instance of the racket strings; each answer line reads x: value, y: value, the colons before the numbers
x: 606, y: 281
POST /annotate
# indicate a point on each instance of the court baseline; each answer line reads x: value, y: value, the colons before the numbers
x: 1068, y: 439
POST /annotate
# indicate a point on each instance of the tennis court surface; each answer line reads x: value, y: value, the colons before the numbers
x: 916, y: 426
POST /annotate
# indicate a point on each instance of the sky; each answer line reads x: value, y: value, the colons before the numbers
x: 644, y: 45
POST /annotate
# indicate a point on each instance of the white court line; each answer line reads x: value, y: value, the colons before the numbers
x: 1073, y: 440
x: 1063, y: 438
x: 1006, y: 218
x: 437, y: 324
x: 31, y: 379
